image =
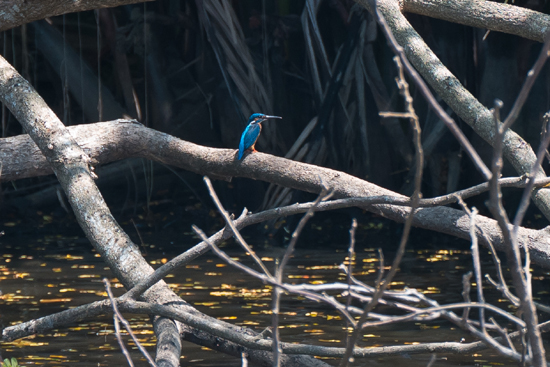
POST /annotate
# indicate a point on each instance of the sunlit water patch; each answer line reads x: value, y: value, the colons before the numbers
x: 42, y: 282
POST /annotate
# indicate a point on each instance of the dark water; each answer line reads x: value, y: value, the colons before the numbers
x: 46, y: 275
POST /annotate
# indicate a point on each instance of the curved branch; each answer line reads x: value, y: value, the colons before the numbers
x: 491, y: 15
x: 16, y: 13
x: 516, y: 150
x: 475, y: 13
x: 89, y: 311
x: 70, y: 163
x: 110, y: 141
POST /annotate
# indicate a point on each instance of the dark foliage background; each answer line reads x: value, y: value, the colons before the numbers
x: 198, y: 69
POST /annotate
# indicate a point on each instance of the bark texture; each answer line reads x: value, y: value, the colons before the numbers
x: 16, y: 13
x: 71, y: 165
x: 110, y: 141
x: 516, y: 150
x: 491, y: 15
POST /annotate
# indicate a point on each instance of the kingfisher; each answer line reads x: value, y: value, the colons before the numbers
x: 252, y: 132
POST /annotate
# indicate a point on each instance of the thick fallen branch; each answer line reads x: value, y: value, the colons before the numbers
x: 16, y: 13
x: 71, y: 165
x: 233, y: 333
x: 476, y: 13
x: 464, y: 104
x: 491, y: 15
x: 110, y: 141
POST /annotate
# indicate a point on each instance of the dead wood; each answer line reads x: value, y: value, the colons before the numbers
x: 72, y: 167
x: 110, y: 141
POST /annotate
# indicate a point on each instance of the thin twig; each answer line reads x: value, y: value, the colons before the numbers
x: 116, y: 324
x: 118, y: 316
x: 419, y: 163
x: 231, y: 224
x: 528, y: 84
x: 502, y: 285
x: 351, y: 256
x: 477, y: 268
x: 525, y: 199
x: 381, y: 266
x: 466, y: 279
x: 280, y: 271
x: 427, y: 94
x: 519, y: 278
x: 503, y: 333
x: 246, y: 220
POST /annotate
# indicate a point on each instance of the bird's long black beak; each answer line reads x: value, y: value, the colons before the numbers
x: 272, y: 117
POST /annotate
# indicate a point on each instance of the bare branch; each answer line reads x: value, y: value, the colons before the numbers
x: 16, y: 13
x: 500, y: 17
x: 520, y: 278
x: 528, y: 84
x: 110, y: 141
x: 231, y: 225
x: 118, y: 316
x: 449, y: 88
x: 449, y: 122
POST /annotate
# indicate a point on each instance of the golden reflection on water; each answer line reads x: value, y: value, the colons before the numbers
x: 38, y: 285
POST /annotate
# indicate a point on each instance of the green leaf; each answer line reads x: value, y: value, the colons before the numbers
x: 12, y: 363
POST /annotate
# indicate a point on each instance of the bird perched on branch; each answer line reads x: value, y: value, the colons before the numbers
x: 252, y: 132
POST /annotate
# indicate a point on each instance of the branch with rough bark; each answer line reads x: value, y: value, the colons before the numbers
x: 72, y: 166
x: 110, y: 141
x: 19, y: 12
x: 464, y: 104
x: 400, y: 300
x: 490, y: 15
x: 60, y: 151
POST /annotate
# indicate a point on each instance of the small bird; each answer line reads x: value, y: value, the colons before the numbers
x: 252, y: 132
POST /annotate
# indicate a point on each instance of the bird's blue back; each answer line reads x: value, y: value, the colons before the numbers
x: 249, y: 137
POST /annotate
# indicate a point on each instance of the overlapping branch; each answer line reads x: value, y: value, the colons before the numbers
x: 74, y: 170
x: 464, y: 104
x: 489, y: 15
x: 16, y: 13
x: 110, y: 141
